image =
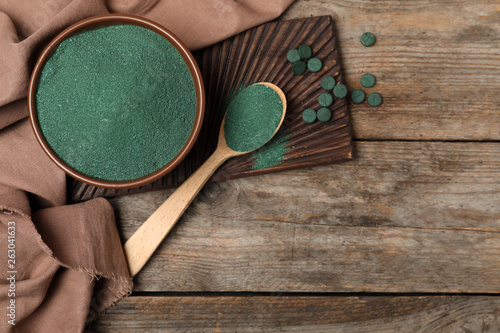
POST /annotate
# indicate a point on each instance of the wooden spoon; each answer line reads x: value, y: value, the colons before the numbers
x: 144, y: 242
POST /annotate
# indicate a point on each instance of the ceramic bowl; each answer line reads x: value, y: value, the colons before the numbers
x: 103, y: 21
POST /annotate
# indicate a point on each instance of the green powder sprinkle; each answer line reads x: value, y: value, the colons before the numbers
x: 272, y: 153
x: 116, y: 103
x: 252, y: 118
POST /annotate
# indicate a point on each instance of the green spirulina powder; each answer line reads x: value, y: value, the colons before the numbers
x: 116, y: 103
x: 272, y: 153
x: 252, y: 118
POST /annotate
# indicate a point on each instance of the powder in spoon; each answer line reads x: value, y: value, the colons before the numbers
x: 116, y: 103
x: 252, y: 118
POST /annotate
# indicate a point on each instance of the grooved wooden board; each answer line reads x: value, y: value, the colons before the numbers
x: 257, y: 55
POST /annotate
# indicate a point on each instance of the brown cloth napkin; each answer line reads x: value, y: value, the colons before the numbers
x: 61, y: 265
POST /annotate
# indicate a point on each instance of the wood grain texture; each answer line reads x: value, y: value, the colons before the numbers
x: 260, y: 55
x: 401, y: 217
x: 419, y: 314
x: 436, y: 64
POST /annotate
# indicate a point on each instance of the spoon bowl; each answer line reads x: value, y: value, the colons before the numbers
x: 144, y: 242
x: 222, y: 144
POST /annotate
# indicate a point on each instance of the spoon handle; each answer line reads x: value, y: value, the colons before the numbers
x: 143, y: 243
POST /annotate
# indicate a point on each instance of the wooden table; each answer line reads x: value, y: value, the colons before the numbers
x: 405, y: 238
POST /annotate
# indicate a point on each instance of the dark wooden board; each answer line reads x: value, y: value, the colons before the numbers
x: 444, y: 314
x: 257, y: 55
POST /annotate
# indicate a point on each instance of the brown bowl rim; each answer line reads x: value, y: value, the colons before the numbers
x: 124, y: 19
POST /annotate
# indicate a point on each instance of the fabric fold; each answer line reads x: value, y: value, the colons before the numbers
x: 62, y: 264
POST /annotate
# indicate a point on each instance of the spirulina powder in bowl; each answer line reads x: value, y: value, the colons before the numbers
x: 116, y: 103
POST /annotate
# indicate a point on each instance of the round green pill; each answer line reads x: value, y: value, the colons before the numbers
x: 374, y: 99
x: 340, y: 90
x: 358, y: 96
x: 328, y: 82
x: 309, y: 116
x: 299, y: 67
x: 314, y: 65
x: 368, y: 80
x: 325, y: 99
x: 305, y: 52
x: 368, y: 39
x: 293, y: 55
x: 324, y: 114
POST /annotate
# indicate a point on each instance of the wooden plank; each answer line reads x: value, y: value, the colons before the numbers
x: 402, y: 217
x: 398, y: 184
x: 278, y: 257
x: 444, y: 314
x: 436, y: 64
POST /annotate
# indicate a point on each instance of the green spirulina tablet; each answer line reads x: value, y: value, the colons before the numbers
x: 368, y: 39
x: 299, y: 67
x: 305, y: 52
x: 293, y: 55
x: 314, y: 65
x: 368, y: 80
x: 324, y: 114
x: 325, y: 99
x: 358, y: 96
x: 340, y: 90
x: 309, y: 116
x: 374, y: 99
x: 328, y: 82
